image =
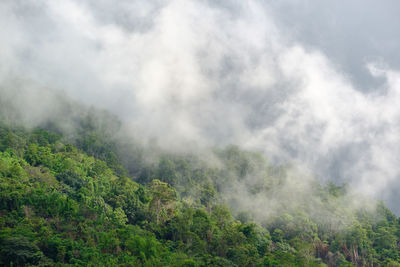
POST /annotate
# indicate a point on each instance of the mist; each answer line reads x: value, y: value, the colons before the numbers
x: 295, y: 81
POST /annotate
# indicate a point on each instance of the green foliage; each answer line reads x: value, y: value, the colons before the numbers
x: 65, y: 204
x: 19, y: 251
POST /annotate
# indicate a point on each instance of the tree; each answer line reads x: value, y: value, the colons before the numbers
x: 19, y: 251
x: 162, y: 203
x: 208, y: 194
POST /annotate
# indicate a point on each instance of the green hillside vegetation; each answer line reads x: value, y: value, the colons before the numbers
x: 87, y: 200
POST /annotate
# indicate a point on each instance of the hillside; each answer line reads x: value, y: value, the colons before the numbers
x: 73, y: 203
x: 199, y: 133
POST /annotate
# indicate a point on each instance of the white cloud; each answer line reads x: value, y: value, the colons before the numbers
x: 188, y: 71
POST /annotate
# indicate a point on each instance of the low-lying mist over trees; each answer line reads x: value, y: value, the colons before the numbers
x: 271, y: 128
x: 67, y: 199
x: 205, y: 73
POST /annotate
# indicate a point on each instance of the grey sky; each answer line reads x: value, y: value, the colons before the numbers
x: 350, y: 33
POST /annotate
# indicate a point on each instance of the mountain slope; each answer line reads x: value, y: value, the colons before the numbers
x: 60, y: 206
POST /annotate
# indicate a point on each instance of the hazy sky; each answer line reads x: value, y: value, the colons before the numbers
x: 313, y: 82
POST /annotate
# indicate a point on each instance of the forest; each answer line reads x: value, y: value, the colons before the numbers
x: 88, y: 199
x: 199, y: 133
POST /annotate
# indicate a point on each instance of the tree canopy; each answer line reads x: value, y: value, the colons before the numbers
x: 79, y: 202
